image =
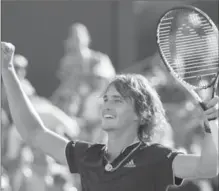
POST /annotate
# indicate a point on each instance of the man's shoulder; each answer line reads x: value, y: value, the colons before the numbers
x: 95, y: 150
x: 155, y: 153
x: 87, y: 147
x: 90, y: 154
x: 83, y: 149
x: 156, y: 147
x: 86, y: 144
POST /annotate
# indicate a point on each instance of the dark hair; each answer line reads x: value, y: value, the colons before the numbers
x: 147, y: 103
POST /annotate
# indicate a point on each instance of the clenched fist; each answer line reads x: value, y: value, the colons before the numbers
x: 7, y: 54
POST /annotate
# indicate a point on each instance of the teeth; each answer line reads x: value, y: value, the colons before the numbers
x: 108, y: 116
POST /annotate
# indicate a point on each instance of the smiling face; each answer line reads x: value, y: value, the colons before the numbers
x: 118, y: 113
x: 132, y: 105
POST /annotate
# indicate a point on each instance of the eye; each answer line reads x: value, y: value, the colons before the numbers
x: 118, y: 100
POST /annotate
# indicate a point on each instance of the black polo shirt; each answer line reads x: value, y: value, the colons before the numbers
x: 149, y: 168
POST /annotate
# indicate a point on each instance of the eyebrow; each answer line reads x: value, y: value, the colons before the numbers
x: 114, y: 96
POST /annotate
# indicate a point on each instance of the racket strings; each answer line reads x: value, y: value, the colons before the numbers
x: 207, y: 61
x: 196, y: 67
x: 189, y: 46
x: 195, y: 50
x: 195, y: 71
x: 194, y: 43
x: 204, y: 75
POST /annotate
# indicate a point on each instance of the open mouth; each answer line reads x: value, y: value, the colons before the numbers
x: 107, y: 116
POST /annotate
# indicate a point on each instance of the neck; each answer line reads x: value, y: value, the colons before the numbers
x: 117, y: 142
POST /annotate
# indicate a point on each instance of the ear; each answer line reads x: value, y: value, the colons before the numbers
x: 141, y: 121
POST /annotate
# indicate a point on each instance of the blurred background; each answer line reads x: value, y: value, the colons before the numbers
x: 66, y: 52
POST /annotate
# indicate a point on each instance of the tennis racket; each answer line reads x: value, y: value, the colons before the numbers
x: 187, y: 40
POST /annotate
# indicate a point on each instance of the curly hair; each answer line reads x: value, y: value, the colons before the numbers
x: 147, y: 103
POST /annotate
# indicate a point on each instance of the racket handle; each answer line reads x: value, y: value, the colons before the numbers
x: 204, y: 107
x: 206, y: 127
x: 213, y: 92
x: 215, y: 87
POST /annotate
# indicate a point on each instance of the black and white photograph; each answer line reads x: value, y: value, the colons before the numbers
x: 109, y: 95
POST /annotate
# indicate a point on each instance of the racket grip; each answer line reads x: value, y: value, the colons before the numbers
x: 204, y: 107
x: 206, y: 127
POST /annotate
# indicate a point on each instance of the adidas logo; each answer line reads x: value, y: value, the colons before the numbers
x: 130, y: 164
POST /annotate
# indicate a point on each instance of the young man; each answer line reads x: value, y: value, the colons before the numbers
x: 131, y: 115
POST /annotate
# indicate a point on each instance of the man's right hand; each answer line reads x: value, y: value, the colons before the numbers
x: 7, y: 54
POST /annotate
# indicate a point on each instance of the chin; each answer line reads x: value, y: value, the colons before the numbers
x: 108, y: 127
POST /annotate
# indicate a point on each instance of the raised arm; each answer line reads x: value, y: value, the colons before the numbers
x: 206, y: 164
x: 26, y: 119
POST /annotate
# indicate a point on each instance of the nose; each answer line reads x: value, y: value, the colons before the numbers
x: 107, y: 106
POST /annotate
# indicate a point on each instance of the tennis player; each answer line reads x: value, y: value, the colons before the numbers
x: 131, y: 114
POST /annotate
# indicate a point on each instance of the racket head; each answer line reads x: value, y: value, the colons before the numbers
x: 187, y: 40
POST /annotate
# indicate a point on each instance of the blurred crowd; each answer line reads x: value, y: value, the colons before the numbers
x: 73, y: 111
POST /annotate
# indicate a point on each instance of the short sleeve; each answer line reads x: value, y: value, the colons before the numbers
x: 168, y: 164
x: 74, y: 153
x: 164, y: 170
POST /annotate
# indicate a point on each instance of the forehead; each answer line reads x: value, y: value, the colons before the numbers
x: 111, y: 90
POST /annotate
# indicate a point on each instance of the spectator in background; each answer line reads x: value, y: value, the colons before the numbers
x: 78, y: 69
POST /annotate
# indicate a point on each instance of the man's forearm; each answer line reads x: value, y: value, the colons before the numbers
x: 23, y: 113
x: 215, y: 132
x: 209, y: 152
